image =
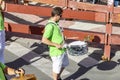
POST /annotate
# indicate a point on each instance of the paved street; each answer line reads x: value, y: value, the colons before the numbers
x: 31, y: 55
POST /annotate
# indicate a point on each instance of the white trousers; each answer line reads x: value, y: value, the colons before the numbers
x: 59, y: 62
x: 2, y: 45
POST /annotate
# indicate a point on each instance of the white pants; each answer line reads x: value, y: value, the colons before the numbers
x: 59, y: 62
x: 2, y: 45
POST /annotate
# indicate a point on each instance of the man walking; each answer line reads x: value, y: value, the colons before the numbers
x: 54, y: 38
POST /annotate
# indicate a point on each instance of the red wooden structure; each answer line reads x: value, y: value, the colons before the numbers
x: 85, y: 11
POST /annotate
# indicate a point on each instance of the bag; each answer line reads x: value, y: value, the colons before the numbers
x: 25, y: 77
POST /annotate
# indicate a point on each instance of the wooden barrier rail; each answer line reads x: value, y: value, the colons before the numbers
x: 45, y: 11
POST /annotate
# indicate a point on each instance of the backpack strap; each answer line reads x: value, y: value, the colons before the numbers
x: 47, y: 24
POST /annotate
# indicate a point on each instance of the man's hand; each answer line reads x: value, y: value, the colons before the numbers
x: 58, y: 45
x: 20, y: 71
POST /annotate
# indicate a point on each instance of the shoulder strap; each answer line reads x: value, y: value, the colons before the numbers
x: 50, y: 23
x: 47, y: 24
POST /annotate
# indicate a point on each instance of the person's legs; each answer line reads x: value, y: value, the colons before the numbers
x: 65, y: 62
x: 60, y: 72
x: 58, y: 65
x: 94, y: 1
x: 78, y: 0
x: 55, y: 76
x: 2, y: 45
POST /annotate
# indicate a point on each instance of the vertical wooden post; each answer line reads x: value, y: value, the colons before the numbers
x: 66, y: 3
x: 107, y: 46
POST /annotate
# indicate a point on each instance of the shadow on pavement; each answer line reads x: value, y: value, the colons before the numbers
x: 90, y: 62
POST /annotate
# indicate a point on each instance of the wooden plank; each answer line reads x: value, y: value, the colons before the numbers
x: 115, y: 40
x: 21, y: 28
x: 88, y: 6
x: 81, y: 35
x: 40, y: 11
x: 37, y: 30
x: 54, y: 2
x: 85, y: 15
x: 116, y: 10
x: 116, y: 18
x: 45, y: 11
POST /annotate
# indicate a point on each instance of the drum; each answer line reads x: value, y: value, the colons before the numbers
x: 77, y: 48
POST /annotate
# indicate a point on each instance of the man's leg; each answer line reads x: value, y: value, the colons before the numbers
x: 2, y: 45
x: 116, y: 3
x: 60, y: 72
x: 57, y: 64
x: 55, y: 76
x: 94, y: 1
x: 65, y: 62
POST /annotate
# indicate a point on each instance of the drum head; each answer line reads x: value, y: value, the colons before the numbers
x: 77, y: 48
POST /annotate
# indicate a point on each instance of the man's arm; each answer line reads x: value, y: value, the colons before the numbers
x: 48, y: 42
x: 3, y: 5
x: 11, y: 71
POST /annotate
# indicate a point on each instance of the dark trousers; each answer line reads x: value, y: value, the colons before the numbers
x: 95, y: 1
x: 116, y: 3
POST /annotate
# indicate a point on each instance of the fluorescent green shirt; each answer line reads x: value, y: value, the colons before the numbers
x: 2, y: 67
x: 54, y: 34
x: 1, y: 22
